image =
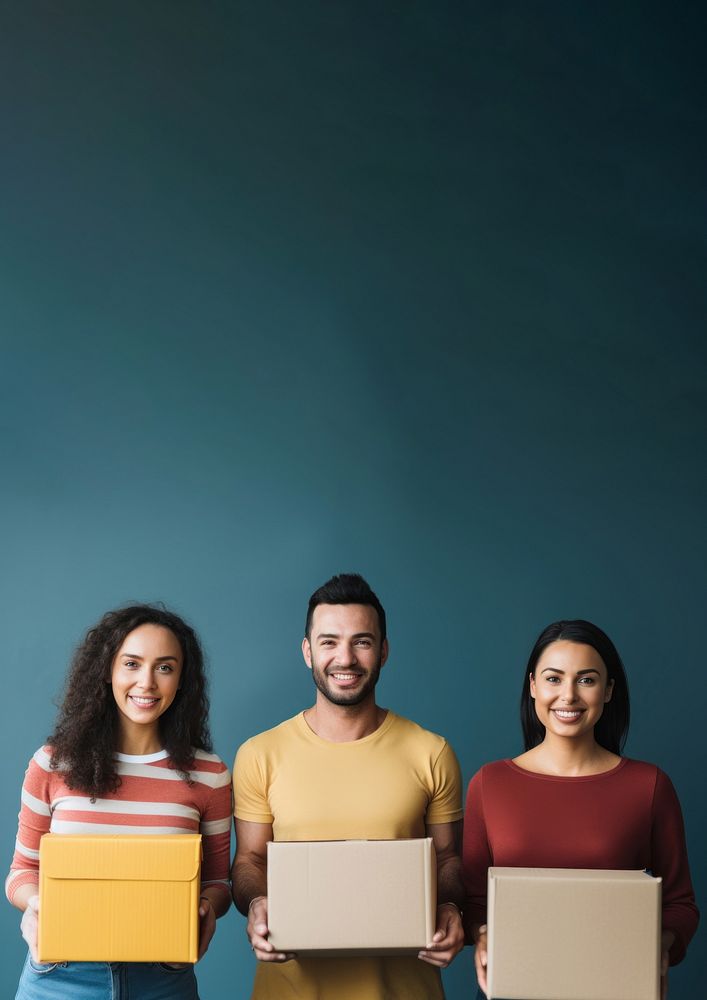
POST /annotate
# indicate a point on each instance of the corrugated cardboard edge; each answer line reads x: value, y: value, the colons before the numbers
x: 490, y: 908
x: 431, y: 887
x: 659, y: 933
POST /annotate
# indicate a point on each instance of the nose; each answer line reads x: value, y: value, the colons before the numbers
x: 569, y: 692
x: 346, y: 655
x: 145, y: 679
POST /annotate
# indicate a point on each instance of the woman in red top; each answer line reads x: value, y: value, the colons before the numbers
x: 571, y: 800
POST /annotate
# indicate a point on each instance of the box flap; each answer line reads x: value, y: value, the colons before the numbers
x: 134, y: 857
x: 638, y: 877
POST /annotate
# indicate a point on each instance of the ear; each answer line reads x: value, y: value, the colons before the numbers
x: 385, y: 649
x: 609, y: 691
x: 532, y: 686
x: 307, y: 652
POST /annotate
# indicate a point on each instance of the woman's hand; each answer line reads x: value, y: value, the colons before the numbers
x: 481, y: 955
x: 666, y: 942
x: 207, y: 925
x: 29, y: 925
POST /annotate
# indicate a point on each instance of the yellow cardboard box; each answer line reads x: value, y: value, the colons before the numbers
x: 119, y: 898
x: 352, y: 897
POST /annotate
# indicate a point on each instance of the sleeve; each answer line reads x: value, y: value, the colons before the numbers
x: 34, y: 821
x: 669, y: 861
x: 250, y: 787
x: 215, y: 829
x: 445, y: 806
x: 476, y: 855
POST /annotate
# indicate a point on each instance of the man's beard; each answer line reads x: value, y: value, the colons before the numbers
x: 345, y: 698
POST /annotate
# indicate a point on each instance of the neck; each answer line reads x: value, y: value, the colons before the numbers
x: 139, y: 740
x: 572, y: 757
x: 344, y: 723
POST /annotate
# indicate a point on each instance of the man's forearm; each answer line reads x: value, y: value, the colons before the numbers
x: 449, y: 883
x: 250, y: 879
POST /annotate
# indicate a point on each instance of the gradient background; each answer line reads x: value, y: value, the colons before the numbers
x: 413, y: 289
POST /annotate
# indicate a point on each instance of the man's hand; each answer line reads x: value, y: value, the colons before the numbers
x: 29, y: 925
x: 448, y: 938
x: 257, y: 931
x: 481, y: 956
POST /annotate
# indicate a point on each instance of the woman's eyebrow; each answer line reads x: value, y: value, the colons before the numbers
x: 557, y: 670
x: 134, y: 656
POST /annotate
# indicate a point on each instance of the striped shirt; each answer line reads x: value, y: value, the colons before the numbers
x: 151, y: 798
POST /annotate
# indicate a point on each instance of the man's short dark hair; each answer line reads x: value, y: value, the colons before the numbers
x: 345, y: 588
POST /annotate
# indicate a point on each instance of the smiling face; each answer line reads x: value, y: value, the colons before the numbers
x: 345, y: 652
x: 570, y: 688
x: 145, y: 679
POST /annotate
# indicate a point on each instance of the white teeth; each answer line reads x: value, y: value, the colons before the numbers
x: 567, y: 715
x: 143, y: 701
x: 345, y: 677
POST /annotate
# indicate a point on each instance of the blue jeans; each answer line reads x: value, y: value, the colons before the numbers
x: 106, y: 981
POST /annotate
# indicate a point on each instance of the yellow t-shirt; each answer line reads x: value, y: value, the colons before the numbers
x: 387, y: 786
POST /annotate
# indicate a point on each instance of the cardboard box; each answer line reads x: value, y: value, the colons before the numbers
x: 352, y: 897
x: 567, y: 934
x: 123, y: 898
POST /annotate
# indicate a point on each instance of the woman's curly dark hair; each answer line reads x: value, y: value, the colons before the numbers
x: 85, y: 736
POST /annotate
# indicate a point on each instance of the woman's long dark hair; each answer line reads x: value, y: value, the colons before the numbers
x: 86, y: 732
x: 612, y: 728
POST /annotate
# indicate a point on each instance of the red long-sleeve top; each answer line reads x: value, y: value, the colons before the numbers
x: 626, y: 818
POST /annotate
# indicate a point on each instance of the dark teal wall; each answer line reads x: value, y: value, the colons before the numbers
x: 416, y: 289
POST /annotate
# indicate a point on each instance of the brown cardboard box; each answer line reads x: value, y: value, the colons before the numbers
x: 352, y: 897
x: 122, y: 898
x: 570, y: 934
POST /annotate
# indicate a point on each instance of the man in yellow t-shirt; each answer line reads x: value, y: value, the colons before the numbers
x: 347, y: 769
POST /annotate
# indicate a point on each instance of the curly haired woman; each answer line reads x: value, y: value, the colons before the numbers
x: 130, y: 753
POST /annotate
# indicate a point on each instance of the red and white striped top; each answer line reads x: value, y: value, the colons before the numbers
x: 152, y: 798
